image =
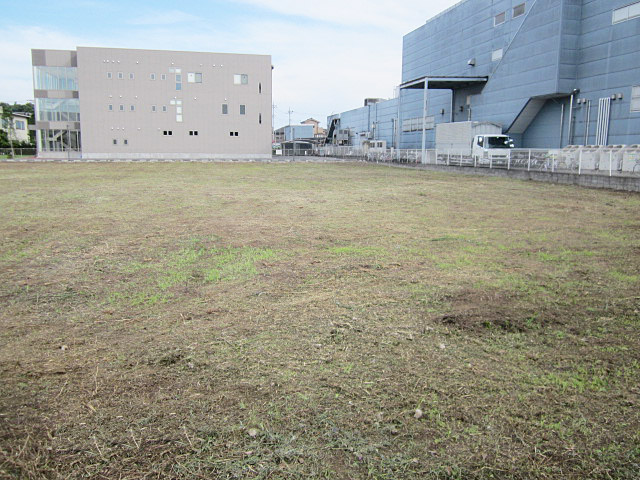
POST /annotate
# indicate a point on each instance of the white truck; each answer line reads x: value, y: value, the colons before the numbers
x: 476, y: 141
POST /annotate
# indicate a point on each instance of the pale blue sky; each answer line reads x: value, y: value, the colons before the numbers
x: 328, y: 55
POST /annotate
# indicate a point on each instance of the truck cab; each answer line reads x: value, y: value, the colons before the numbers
x: 492, y: 145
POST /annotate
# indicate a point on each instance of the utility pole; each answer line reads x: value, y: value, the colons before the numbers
x: 273, y: 122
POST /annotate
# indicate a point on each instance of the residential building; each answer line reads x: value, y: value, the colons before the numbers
x: 293, y: 132
x: 113, y: 103
x: 318, y: 131
x: 550, y: 72
x: 18, y: 130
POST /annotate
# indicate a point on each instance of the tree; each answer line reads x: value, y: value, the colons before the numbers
x: 7, y: 122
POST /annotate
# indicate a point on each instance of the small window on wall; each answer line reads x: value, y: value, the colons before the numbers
x: 120, y: 75
x: 496, y: 55
x: 154, y: 108
x: 499, y: 19
x: 131, y: 76
x: 152, y: 76
x: 132, y: 108
x: 635, y: 99
x: 164, y: 108
x: 126, y: 142
x: 121, y: 108
x: 260, y: 87
x: 193, y: 133
x: 240, y: 79
x: 115, y: 142
x: 194, y: 77
x: 260, y: 118
x: 626, y: 13
x: 167, y: 133
x: 225, y: 109
x: 233, y: 134
x: 243, y: 109
x: 110, y: 108
x: 163, y: 76
x: 518, y: 10
x: 109, y: 75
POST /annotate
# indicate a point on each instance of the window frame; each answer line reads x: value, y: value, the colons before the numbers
x: 495, y: 18
x: 635, y: 98
x: 627, y: 15
x: 524, y: 10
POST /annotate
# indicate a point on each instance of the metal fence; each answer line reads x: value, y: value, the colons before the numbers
x: 604, y: 160
x: 19, y: 152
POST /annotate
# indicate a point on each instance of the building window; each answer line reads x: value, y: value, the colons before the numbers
x: 496, y: 55
x: 635, y: 99
x: 193, y: 133
x: 126, y: 142
x: 19, y: 125
x: 109, y: 75
x: 167, y: 133
x: 194, y: 77
x: 499, y: 19
x: 178, y: 118
x: 519, y: 10
x: 154, y: 108
x: 415, y: 124
x: 110, y: 107
x: 164, y: 108
x: 115, y: 142
x: 225, y: 109
x: 243, y: 109
x: 260, y: 87
x: 56, y: 78
x: 131, y: 76
x: 132, y: 108
x: 235, y: 134
x: 122, y: 108
x: 120, y: 76
x: 152, y: 76
x: 240, y: 79
x: 626, y: 13
x: 260, y: 118
x: 163, y: 76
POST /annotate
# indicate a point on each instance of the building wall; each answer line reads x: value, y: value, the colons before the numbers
x: 556, y: 46
x: 119, y: 88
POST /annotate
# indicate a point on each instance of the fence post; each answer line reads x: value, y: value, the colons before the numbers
x: 448, y: 157
x: 580, y: 162
x: 610, y: 160
x: 475, y: 161
x: 529, y: 161
x: 509, y: 161
x: 490, y: 161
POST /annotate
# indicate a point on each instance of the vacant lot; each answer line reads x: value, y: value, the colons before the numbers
x: 315, y: 321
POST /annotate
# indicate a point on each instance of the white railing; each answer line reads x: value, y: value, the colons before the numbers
x: 609, y: 160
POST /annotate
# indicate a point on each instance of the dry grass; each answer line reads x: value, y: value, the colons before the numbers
x: 287, y: 321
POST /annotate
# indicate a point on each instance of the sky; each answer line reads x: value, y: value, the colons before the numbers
x: 328, y: 55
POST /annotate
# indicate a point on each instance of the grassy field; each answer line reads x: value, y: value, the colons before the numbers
x: 290, y: 321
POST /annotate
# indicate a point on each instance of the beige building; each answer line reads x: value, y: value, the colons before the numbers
x: 318, y: 131
x: 112, y: 103
x: 18, y: 130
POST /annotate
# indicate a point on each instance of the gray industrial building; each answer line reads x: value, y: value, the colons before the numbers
x: 551, y: 73
x: 113, y: 103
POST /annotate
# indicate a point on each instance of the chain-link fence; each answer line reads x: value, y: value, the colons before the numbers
x: 605, y: 160
x: 5, y: 153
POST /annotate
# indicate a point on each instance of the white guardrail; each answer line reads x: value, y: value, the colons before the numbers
x: 609, y: 160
